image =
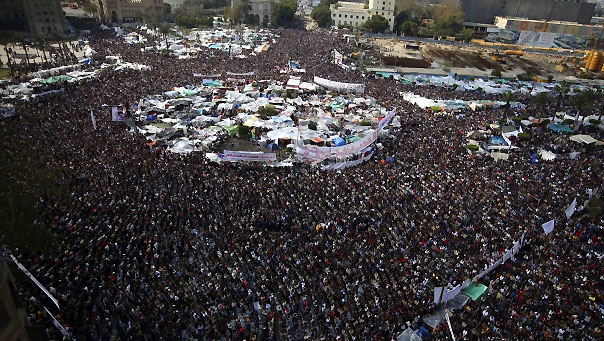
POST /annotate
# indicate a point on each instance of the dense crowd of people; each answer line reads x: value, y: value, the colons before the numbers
x: 158, y: 245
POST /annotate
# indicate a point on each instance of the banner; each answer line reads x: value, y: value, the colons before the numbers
x: 229, y: 155
x: 437, y: 293
x: 570, y: 210
x: 322, y: 153
x: 240, y: 74
x: 28, y: 274
x: 117, y: 114
x: 548, y: 227
x: 200, y: 75
x: 338, y: 58
x: 57, y: 324
x: 386, y: 120
x: 339, y: 86
x: 344, y: 165
x: 93, y: 119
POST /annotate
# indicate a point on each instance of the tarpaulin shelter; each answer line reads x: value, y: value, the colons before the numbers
x: 475, y: 292
x: 273, y: 146
x: 560, y: 128
x: 338, y: 141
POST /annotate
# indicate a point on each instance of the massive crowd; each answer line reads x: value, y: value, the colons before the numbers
x: 158, y: 245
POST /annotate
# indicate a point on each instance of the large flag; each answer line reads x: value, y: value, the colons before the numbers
x: 548, y: 227
x: 571, y: 209
x: 93, y: 119
x: 338, y: 57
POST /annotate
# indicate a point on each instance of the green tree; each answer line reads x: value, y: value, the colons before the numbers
x: 543, y: 99
x: 322, y: 14
x: 496, y: 72
x: 284, y: 13
x: 408, y: 28
x: 508, y: 98
x: 167, y: 10
x: 164, y: 30
x: 376, y: 24
x: 561, y: 90
x: 466, y: 34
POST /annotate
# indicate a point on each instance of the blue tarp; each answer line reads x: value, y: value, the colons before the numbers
x: 498, y: 140
x: 338, y: 141
x: 294, y: 65
x: 273, y: 146
x: 560, y: 128
x: 390, y: 160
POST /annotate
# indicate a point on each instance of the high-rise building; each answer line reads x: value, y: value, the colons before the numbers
x: 485, y: 11
x: 131, y: 11
x: 42, y: 18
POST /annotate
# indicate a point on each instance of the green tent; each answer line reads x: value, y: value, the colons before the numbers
x: 189, y: 92
x: 436, y: 109
x: 475, y: 292
x: 353, y: 139
x: 232, y: 129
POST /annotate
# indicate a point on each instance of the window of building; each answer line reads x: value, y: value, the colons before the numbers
x: 45, y: 12
x: 339, y: 15
x: 383, y: 8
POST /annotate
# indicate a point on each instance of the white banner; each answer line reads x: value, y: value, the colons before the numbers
x: 338, y: 57
x: 229, y: 155
x: 57, y: 324
x: 339, y: 86
x: 548, y: 227
x: 322, y: 153
x: 437, y: 293
x: 218, y: 75
x: 344, y: 165
x: 28, y: 274
x: 386, y: 120
x: 570, y: 210
x: 117, y: 114
x: 93, y: 119
x: 240, y: 74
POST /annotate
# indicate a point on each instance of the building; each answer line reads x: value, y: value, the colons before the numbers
x: 356, y: 13
x: 261, y: 10
x: 176, y: 4
x: 131, y: 11
x: 43, y: 18
x: 13, y: 320
x: 485, y: 11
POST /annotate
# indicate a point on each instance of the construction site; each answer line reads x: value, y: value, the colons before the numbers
x: 484, y: 59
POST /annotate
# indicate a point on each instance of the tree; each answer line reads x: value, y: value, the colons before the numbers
x: 508, y: 97
x: 376, y: 24
x: 409, y: 28
x: 584, y: 102
x: 236, y: 13
x: 561, y: 90
x: 102, y: 11
x: 167, y: 10
x: 543, y: 99
x: 284, y: 13
x: 322, y: 14
x: 466, y: 34
x: 448, y: 26
x: 496, y: 72
x: 164, y: 30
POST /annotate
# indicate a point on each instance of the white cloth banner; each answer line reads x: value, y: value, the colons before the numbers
x: 57, y: 324
x: 570, y: 210
x: 548, y: 227
x: 507, y: 256
x: 449, y: 294
x: 338, y: 57
x: 229, y: 155
x: 386, y: 120
x: 322, y: 153
x: 240, y: 74
x: 93, y: 119
x: 516, y: 247
x: 344, y: 165
x: 117, y: 114
x: 218, y: 75
x: 437, y: 293
x: 339, y: 86
x: 28, y: 274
